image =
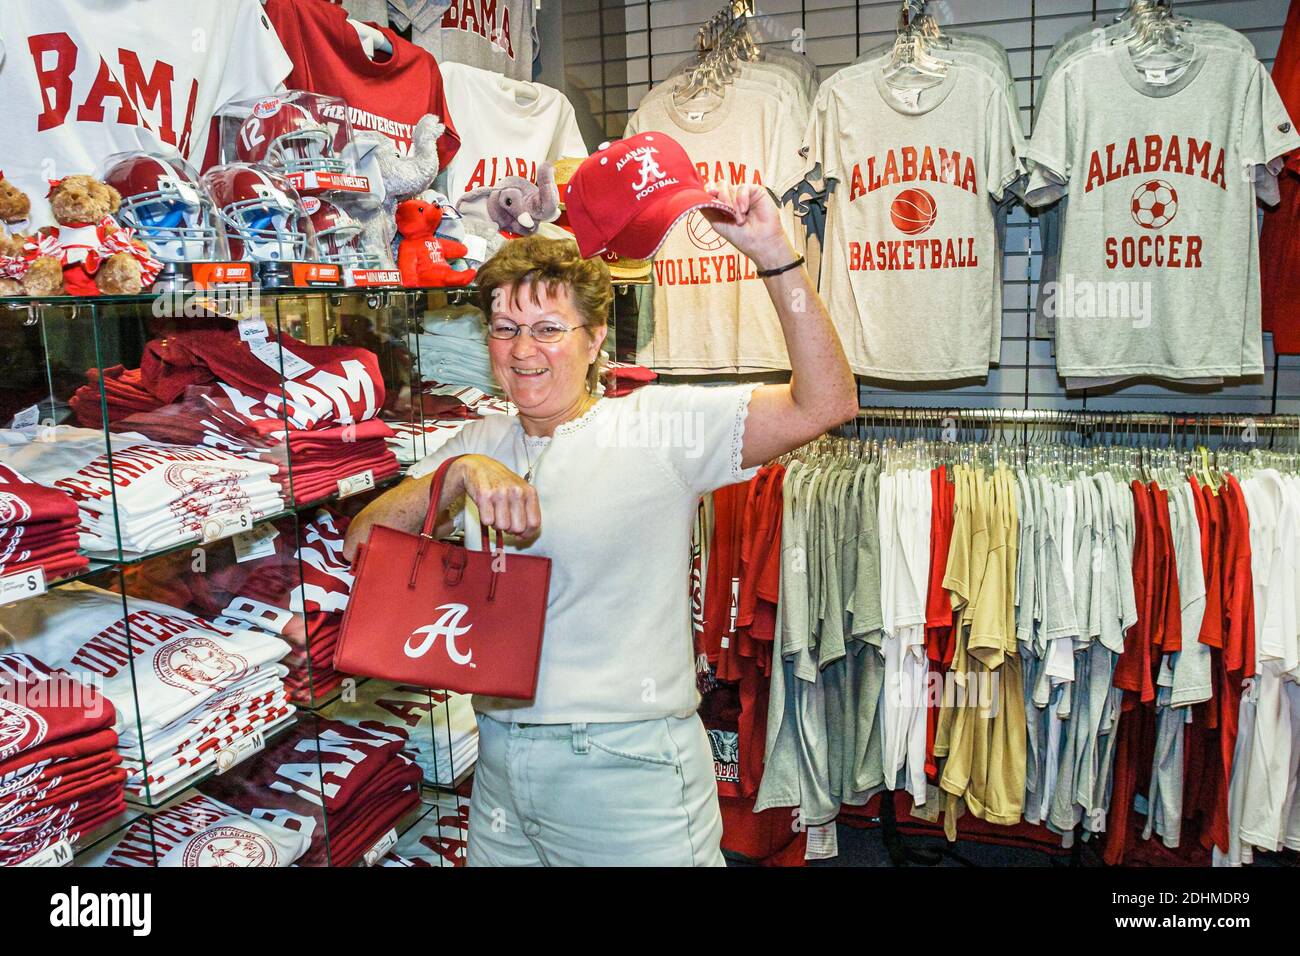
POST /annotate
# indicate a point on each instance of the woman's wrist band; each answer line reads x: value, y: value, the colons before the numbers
x: 768, y: 273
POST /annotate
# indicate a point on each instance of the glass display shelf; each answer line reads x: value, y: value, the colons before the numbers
x: 157, y: 801
x: 278, y: 292
x: 89, y: 844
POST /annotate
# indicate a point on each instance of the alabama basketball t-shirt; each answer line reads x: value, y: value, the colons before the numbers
x: 711, y: 311
x: 910, y: 222
x: 1159, y: 263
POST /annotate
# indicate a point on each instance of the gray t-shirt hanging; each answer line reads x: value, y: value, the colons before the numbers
x: 909, y: 223
x: 1158, y: 168
x: 495, y: 36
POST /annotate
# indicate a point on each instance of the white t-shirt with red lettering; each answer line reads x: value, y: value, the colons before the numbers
x: 84, y: 79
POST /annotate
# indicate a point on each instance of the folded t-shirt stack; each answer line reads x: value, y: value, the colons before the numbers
x: 141, y: 495
x: 444, y: 410
x: 623, y: 378
x: 342, y: 786
x: 440, y: 729
x: 453, y: 348
x: 195, y: 687
x: 298, y: 592
x: 201, y: 831
x: 318, y: 424
x: 38, y: 528
x: 124, y: 393
x: 59, y: 768
x: 439, y: 838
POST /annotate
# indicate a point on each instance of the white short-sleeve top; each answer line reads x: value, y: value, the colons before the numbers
x: 618, y: 489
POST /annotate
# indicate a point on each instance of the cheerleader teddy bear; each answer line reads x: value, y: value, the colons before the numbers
x: 422, y: 254
x: 29, y: 264
x: 99, y: 257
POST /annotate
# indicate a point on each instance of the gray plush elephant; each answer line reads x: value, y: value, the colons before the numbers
x: 515, y: 204
x: 404, y: 177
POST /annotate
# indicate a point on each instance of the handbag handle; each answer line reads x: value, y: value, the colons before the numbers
x: 431, y: 518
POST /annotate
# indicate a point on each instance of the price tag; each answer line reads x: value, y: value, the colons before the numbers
x: 270, y: 352
x: 252, y: 329
x: 221, y: 526
x: 356, y: 483
x: 823, y: 842
x: 24, y: 584
x: 380, y: 849
x: 56, y: 854
x: 239, y: 751
x: 27, y: 417
x: 258, y: 543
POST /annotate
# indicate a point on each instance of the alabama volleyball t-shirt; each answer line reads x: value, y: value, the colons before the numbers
x: 711, y: 311
x: 1159, y: 263
x: 910, y: 257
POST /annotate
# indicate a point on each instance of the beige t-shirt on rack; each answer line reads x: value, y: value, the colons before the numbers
x: 712, y: 313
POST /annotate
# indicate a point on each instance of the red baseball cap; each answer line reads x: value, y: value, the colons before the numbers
x: 627, y: 196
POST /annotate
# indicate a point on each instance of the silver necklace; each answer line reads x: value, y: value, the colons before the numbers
x: 534, y: 465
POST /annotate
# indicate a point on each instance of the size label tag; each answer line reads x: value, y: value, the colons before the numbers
x: 823, y: 842
x: 24, y: 584
x: 271, y: 352
x: 696, y: 117
x: 252, y: 329
x: 239, y: 751
x: 216, y: 527
x: 27, y: 417
x: 909, y: 98
x: 1157, y: 77
x: 380, y: 849
x: 56, y: 854
x: 356, y: 483
x: 258, y: 543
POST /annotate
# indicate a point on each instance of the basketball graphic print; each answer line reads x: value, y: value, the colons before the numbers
x: 1154, y: 204
x: 20, y: 728
x: 229, y: 847
x: 192, y: 663
x: 913, y: 211
x: 701, y: 233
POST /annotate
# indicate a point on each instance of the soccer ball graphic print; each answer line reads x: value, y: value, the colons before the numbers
x: 1154, y: 204
x: 913, y: 211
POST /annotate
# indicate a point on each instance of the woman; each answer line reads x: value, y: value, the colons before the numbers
x: 609, y: 763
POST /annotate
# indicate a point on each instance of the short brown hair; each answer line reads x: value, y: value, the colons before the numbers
x: 549, y: 264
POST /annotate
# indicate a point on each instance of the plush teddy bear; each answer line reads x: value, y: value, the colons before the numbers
x: 29, y: 264
x: 403, y: 177
x: 99, y: 256
x: 422, y: 255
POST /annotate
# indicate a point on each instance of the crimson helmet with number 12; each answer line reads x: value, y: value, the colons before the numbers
x: 261, y: 212
x: 289, y: 137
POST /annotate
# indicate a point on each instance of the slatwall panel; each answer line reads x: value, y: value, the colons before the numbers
x: 615, y: 51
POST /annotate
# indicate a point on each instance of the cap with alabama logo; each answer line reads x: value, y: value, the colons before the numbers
x: 626, y: 197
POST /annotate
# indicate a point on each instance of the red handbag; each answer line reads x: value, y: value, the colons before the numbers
x: 434, y: 614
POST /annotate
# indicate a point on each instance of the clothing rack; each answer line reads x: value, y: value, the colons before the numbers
x: 1089, y: 420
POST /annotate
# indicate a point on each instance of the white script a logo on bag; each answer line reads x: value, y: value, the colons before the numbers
x: 449, y: 627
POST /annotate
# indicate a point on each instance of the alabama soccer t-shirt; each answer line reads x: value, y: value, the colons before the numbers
x: 84, y: 79
x: 1159, y: 263
x: 508, y: 127
x: 910, y: 258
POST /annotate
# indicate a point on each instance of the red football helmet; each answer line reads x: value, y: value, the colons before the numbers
x: 338, y: 235
x: 262, y: 214
x: 289, y: 137
x: 169, y: 211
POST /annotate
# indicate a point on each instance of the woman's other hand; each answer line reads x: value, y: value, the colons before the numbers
x: 756, y: 229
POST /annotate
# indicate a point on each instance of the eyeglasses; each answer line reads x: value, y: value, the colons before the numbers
x: 547, y: 333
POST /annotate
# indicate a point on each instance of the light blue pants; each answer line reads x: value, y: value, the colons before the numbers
x: 628, y: 794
